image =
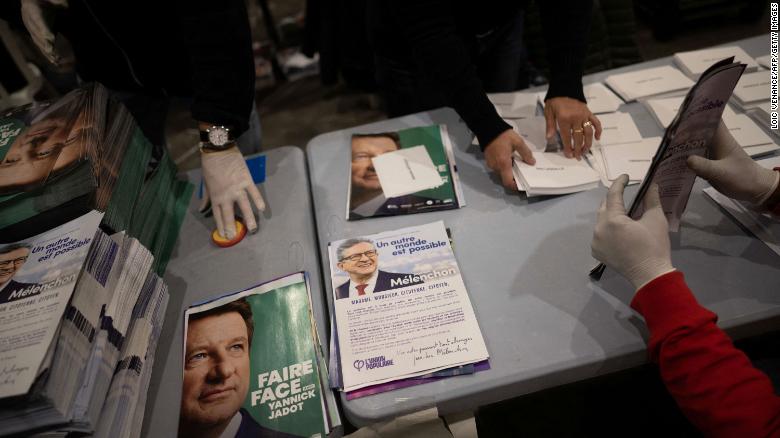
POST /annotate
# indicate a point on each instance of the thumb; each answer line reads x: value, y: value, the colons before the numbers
x: 653, y: 215
x: 549, y: 119
x: 707, y: 169
x: 652, y: 198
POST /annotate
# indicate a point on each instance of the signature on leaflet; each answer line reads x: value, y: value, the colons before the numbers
x: 437, y: 348
x: 8, y: 375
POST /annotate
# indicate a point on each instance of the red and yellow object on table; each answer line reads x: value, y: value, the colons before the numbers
x: 222, y: 242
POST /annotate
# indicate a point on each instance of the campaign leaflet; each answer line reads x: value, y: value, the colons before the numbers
x: 37, y: 278
x: 689, y: 133
x: 250, y: 356
x: 366, y: 197
x: 401, y: 307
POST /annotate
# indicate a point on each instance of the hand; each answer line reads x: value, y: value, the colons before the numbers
x: 733, y: 172
x: 498, y: 156
x: 36, y: 15
x: 638, y: 250
x: 228, y: 181
x: 570, y: 115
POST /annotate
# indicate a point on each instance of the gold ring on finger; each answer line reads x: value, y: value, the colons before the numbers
x: 577, y: 131
x: 587, y: 124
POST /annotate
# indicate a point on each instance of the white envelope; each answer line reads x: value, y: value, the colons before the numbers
x: 633, y: 159
x: 514, y: 105
x: 745, y: 131
x: 406, y: 171
x: 753, y: 87
x: 618, y: 128
x: 648, y: 82
x: 600, y: 98
x: 697, y: 61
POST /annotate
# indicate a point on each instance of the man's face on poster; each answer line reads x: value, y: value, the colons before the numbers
x: 45, y: 147
x: 216, y: 369
x: 11, y: 262
x: 360, y: 259
x: 363, y: 150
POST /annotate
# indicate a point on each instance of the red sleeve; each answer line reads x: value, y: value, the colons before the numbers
x: 713, y: 383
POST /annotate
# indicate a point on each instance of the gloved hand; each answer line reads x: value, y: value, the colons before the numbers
x: 37, y: 15
x: 228, y: 181
x: 732, y: 172
x: 638, y: 250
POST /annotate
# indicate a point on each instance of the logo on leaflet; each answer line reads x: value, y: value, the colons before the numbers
x: 372, y: 362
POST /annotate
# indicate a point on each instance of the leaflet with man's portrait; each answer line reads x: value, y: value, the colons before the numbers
x: 37, y: 278
x: 401, y: 307
x: 251, y: 366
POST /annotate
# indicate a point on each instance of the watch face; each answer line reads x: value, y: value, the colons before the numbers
x: 218, y: 136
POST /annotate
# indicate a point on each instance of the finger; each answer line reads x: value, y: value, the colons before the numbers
x: 615, y: 203
x: 217, y: 213
x: 565, y: 130
x: 204, y: 203
x: 525, y: 152
x: 229, y: 219
x: 507, y: 178
x: 577, y: 139
x: 588, y: 133
x: 597, y: 125
x: 549, y: 118
x: 707, y: 169
x: 257, y: 198
x: 652, y: 198
x: 246, y: 212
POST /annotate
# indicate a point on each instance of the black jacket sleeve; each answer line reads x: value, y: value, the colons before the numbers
x: 429, y: 27
x: 217, y: 36
x: 566, y: 25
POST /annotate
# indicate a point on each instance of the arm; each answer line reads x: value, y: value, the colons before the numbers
x: 713, y: 383
x: 218, y: 41
x: 429, y: 28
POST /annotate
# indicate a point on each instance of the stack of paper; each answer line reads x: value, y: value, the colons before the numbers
x: 695, y: 62
x: 648, y: 82
x: 600, y: 98
x: 752, y: 90
x: 553, y: 174
x: 417, y: 285
x: 516, y: 105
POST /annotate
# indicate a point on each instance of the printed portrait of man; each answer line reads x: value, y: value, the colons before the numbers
x: 217, y: 375
x: 366, y: 197
x: 12, y: 258
x: 360, y: 259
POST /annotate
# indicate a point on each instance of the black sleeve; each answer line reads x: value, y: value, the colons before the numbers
x: 429, y: 28
x: 566, y: 25
x: 217, y: 37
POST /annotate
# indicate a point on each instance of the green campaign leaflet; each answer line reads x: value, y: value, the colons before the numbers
x: 250, y: 363
x: 366, y: 197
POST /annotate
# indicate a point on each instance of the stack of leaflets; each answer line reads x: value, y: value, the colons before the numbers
x: 648, y: 82
x: 746, y: 132
x: 402, y: 313
x: 553, y: 174
x: 267, y: 338
x: 752, y: 91
x: 600, y: 98
x: 89, y: 154
x: 762, y: 116
x: 93, y: 375
x: 695, y: 62
x: 403, y: 172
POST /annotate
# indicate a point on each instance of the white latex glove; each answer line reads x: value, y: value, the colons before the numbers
x: 36, y: 15
x: 228, y: 181
x: 638, y: 250
x: 733, y: 172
